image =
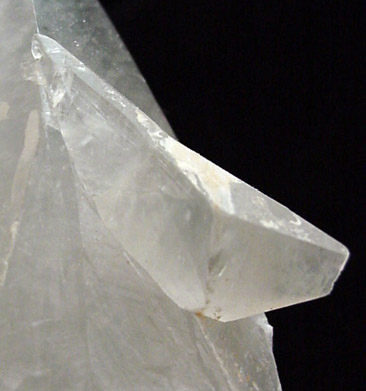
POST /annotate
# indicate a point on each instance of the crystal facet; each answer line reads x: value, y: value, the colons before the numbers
x: 214, y: 244
x: 107, y: 223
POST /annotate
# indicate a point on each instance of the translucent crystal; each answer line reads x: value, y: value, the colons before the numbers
x: 107, y: 223
x: 84, y: 30
x: 77, y: 312
x: 214, y: 244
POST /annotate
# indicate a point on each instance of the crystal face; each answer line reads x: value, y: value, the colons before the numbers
x: 83, y: 29
x: 231, y: 252
x: 110, y: 229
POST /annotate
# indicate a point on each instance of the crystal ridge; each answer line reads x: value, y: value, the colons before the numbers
x: 213, y: 243
x: 127, y: 261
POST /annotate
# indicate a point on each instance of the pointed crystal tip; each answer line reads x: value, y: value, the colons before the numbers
x: 214, y: 244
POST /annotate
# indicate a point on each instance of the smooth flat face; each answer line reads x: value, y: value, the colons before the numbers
x: 20, y: 105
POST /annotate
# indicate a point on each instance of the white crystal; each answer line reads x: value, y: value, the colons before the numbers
x: 77, y: 312
x: 103, y: 215
x: 214, y: 244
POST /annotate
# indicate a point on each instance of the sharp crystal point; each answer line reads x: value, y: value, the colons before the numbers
x: 110, y: 229
x: 213, y: 243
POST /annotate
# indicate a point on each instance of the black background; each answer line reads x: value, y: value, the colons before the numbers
x: 272, y: 92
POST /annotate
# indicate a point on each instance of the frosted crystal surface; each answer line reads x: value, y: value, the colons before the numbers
x: 214, y: 244
x: 77, y: 312
x: 110, y: 229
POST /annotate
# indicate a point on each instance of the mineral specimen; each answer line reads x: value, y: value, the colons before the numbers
x: 214, y: 244
x: 110, y: 229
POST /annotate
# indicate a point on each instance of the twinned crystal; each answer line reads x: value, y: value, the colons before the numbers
x: 117, y: 243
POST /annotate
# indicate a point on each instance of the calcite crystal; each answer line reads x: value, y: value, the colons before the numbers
x: 117, y: 243
x: 214, y: 244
